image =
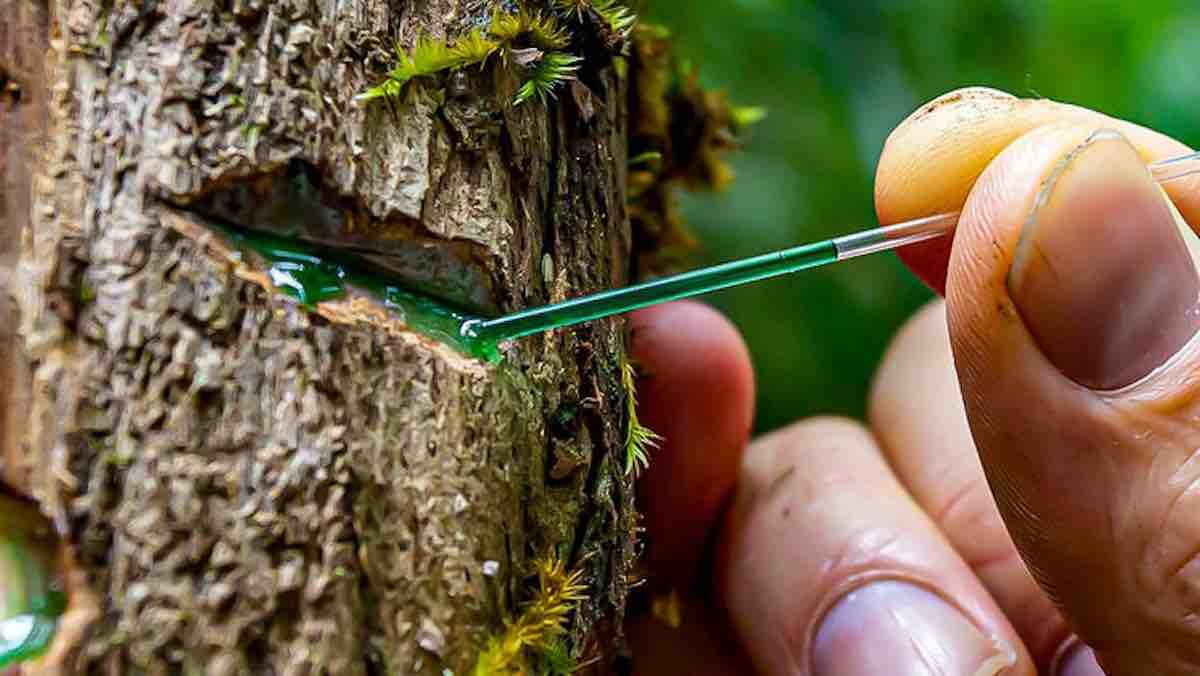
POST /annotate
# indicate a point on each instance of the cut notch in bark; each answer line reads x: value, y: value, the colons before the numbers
x: 334, y: 284
x: 294, y: 202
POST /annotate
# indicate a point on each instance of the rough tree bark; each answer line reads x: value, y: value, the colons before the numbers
x: 246, y: 486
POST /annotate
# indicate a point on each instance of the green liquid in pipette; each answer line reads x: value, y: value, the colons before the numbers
x: 617, y: 301
x: 312, y: 275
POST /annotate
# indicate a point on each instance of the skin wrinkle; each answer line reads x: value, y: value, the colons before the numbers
x: 1128, y: 524
x: 1000, y: 554
x: 1172, y: 515
x: 959, y: 498
x: 1193, y: 556
x: 861, y: 551
x: 780, y: 481
x: 1002, y: 557
x: 1191, y: 465
x: 1156, y: 567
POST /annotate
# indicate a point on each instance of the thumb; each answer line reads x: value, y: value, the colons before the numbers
x: 1072, y: 300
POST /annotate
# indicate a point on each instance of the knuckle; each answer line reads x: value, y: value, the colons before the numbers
x: 1164, y: 582
x: 775, y: 459
x: 823, y: 431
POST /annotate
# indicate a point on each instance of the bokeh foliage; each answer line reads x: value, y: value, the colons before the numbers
x: 836, y: 77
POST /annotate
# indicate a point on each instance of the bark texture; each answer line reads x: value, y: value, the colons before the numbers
x: 246, y: 486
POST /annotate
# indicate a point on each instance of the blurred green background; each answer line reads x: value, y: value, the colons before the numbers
x: 836, y: 77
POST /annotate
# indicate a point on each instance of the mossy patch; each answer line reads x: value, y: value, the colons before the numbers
x: 680, y: 136
x: 533, y: 641
x: 533, y: 45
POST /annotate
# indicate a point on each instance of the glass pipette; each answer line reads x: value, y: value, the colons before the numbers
x: 484, y: 334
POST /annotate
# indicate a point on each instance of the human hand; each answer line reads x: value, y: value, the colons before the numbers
x: 832, y: 548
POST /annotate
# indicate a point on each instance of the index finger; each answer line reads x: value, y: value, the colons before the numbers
x: 932, y: 160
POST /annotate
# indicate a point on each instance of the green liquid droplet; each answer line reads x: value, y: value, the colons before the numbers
x: 25, y: 637
x: 31, y: 605
x: 626, y: 299
x: 312, y: 275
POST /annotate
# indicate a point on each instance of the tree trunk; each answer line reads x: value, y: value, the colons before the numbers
x: 245, y: 485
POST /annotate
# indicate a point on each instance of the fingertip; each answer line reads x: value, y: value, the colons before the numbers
x: 696, y: 390
x: 931, y: 161
x: 825, y: 550
x: 929, y: 262
x: 917, y: 360
x: 662, y: 334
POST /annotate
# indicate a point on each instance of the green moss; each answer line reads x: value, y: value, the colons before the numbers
x: 619, y: 18
x: 85, y: 294
x: 557, y: 660
x: 551, y: 70
x: 639, y: 439
x: 535, y: 640
x: 680, y: 135
x: 532, y: 44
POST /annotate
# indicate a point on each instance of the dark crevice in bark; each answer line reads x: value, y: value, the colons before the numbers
x: 372, y: 661
x: 595, y: 425
x: 147, y: 17
x: 551, y: 207
x: 10, y: 91
x: 558, y: 215
x: 294, y: 202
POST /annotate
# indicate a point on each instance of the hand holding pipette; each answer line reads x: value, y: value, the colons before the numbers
x: 1071, y: 315
x: 749, y: 270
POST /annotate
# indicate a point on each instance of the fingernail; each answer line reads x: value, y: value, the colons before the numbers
x: 1079, y: 661
x: 897, y: 628
x: 1102, y: 276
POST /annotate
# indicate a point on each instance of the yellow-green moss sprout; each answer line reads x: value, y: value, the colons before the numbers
x: 639, y: 439
x: 540, y: 626
x: 532, y: 28
x: 620, y: 19
x: 538, y: 40
x: 429, y: 57
x: 558, y: 660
